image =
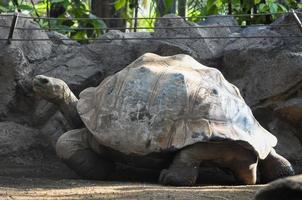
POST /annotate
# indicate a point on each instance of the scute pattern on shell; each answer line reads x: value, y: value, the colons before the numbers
x: 166, y: 103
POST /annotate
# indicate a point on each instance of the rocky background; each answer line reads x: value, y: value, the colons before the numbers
x: 268, y: 71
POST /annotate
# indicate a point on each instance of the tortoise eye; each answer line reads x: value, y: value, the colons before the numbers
x: 44, y: 81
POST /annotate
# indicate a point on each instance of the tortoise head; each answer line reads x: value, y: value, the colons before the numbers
x: 52, y: 89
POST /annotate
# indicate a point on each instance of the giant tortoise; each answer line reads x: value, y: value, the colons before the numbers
x: 170, y: 114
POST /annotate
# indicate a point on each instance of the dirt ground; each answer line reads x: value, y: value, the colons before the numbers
x: 35, y: 188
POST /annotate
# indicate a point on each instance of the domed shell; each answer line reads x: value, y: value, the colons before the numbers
x: 166, y: 103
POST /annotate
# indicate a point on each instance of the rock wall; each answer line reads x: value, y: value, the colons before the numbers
x: 268, y: 72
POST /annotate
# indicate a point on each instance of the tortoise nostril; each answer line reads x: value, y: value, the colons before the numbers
x: 44, y: 81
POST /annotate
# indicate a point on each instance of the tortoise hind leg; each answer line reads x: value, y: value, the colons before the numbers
x: 184, y: 168
x: 78, y: 150
x: 274, y: 166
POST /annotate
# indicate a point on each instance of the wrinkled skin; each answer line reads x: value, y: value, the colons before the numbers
x: 56, y: 91
x: 82, y: 153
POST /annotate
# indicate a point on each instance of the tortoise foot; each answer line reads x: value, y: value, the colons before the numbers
x: 185, y: 176
x: 274, y: 166
x: 88, y: 165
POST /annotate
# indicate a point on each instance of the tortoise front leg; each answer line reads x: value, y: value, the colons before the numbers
x: 184, y: 169
x: 89, y: 165
x: 79, y: 151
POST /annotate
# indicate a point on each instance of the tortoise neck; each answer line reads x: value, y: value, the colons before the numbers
x: 68, y: 107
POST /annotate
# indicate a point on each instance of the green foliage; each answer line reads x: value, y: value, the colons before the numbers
x: 119, y: 4
x: 169, y: 6
x: 126, y: 9
x: 213, y: 7
x: 64, y: 11
x: 147, y: 9
x: 75, y: 9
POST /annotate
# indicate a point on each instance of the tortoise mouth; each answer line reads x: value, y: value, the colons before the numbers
x: 37, y: 86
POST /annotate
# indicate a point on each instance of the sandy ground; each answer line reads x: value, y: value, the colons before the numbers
x: 34, y: 188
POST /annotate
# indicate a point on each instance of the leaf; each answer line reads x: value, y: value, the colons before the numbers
x: 119, y: 4
x: 282, y: 8
x: 211, y: 3
x: 79, y: 35
x: 43, y: 24
x: 57, y: 1
x: 218, y: 4
x: 97, y: 23
x: 273, y: 8
x: 25, y: 7
x: 168, y: 6
x: 3, y: 9
x: 263, y: 8
x: 270, y: 1
x: 96, y: 19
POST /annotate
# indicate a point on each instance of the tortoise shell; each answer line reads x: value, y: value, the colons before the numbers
x: 166, y: 103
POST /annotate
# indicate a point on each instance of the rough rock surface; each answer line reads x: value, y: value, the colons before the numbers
x: 261, y: 67
x: 24, y: 149
x: 16, y: 68
x: 289, y: 140
x: 286, y: 188
x: 267, y: 72
x: 291, y: 111
x: 269, y: 75
x: 208, y: 51
x: 12, y: 65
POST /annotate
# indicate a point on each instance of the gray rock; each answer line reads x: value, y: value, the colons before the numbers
x: 289, y: 27
x: 5, y: 22
x: 289, y: 188
x: 289, y: 137
x: 16, y: 61
x: 18, y: 139
x: 291, y: 111
x: 262, y: 67
x: 14, y: 70
x: 25, y: 152
x: 60, y: 39
x: 115, y: 34
x: 208, y: 51
x: 268, y: 73
x: 33, y: 50
x: 75, y: 67
x: 289, y: 142
x: 214, y: 20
